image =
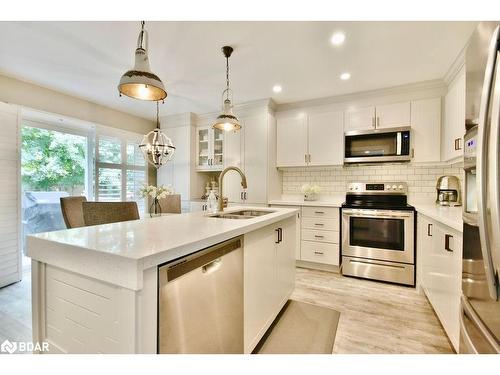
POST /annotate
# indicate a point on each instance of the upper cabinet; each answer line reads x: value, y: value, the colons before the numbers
x: 291, y: 141
x: 210, y: 149
x: 360, y: 119
x: 316, y: 139
x: 326, y: 138
x: 426, y: 130
x: 454, y: 119
x: 392, y: 115
x: 379, y: 117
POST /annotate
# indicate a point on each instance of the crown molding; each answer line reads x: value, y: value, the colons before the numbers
x: 455, y: 67
x: 436, y: 84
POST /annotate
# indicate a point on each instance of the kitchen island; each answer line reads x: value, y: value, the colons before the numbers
x: 95, y: 289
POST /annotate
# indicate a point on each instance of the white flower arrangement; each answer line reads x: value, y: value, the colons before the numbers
x: 156, y: 192
x: 310, y: 189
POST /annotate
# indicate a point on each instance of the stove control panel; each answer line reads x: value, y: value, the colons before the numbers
x: 377, y: 188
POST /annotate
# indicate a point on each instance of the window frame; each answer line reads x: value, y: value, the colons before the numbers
x: 125, y: 138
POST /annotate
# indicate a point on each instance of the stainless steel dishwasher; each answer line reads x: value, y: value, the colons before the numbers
x: 200, y: 308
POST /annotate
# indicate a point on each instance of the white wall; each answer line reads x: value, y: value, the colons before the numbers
x: 14, y: 91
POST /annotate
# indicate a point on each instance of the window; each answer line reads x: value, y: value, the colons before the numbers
x: 121, y: 169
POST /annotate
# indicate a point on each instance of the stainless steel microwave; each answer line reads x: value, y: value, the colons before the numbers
x: 377, y: 145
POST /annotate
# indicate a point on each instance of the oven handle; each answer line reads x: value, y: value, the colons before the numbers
x: 377, y: 214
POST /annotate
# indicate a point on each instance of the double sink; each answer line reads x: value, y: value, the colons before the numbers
x: 242, y: 214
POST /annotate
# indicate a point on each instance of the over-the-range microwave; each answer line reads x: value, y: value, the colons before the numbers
x: 377, y: 145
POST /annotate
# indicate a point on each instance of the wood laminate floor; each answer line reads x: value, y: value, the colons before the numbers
x: 374, y: 317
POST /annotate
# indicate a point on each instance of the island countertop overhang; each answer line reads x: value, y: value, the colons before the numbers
x: 118, y: 253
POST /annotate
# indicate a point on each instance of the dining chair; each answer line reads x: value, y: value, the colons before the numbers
x: 72, y: 211
x: 171, y: 204
x: 96, y: 213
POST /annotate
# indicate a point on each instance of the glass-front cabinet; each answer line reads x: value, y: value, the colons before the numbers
x: 210, y: 149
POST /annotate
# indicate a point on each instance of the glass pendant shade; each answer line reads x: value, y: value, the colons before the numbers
x: 139, y: 82
x: 227, y: 121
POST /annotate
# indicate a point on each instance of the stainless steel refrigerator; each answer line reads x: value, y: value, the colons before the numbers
x: 480, y: 305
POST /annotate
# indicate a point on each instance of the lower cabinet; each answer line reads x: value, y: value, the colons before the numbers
x: 439, y: 256
x: 269, y: 276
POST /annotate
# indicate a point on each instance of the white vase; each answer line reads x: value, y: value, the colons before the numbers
x: 310, y: 196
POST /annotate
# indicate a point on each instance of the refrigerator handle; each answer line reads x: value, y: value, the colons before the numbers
x: 494, y: 179
x: 482, y: 156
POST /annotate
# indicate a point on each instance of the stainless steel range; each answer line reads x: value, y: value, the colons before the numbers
x: 378, y: 233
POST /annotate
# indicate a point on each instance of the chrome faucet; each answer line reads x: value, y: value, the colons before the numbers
x: 221, y: 178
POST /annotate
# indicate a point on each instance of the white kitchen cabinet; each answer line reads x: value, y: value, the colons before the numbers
x: 209, y: 149
x: 360, y: 119
x: 291, y: 149
x: 320, y: 229
x: 268, y: 260
x: 392, y: 115
x: 382, y: 116
x: 297, y: 227
x: 454, y: 119
x: 426, y: 130
x: 440, y: 251
x: 316, y: 139
x: 325, y: 138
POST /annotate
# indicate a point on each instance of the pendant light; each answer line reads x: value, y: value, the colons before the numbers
x: 227, y: 120
x: 156, y: 147
x: 139, y: 82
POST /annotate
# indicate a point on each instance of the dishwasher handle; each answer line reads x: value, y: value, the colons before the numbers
x: 207, y: 259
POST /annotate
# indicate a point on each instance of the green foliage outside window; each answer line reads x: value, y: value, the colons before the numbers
x: 52, y: 161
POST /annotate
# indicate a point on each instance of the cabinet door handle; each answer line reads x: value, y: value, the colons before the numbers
x: 412, y: 153
x: 309, y: 158
x: 429, y: 230
x: 373, y: 122
x: 245, y: 195
x: 377, y: 124
x: 305, y: 158
x: 241, y: 195
x: 318, y: 253
x: 447, y: 242
x: 280, y: 234
x: 277, y: 230
x: 457, y: 144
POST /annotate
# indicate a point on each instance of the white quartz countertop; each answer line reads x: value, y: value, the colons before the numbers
x: 449, y: 216
x: 133, y: 246
x: 298, y: 200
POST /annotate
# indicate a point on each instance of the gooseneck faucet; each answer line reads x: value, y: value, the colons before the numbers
x: 221, y: 179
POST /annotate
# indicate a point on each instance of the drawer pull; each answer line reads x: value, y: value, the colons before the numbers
x: 318, y: 253
x: 319, y: 212
x: 447, y: 242
x: 319, y: 224
x: 316, y: 236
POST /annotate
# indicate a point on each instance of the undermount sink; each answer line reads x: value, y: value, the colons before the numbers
x: 243, y: 214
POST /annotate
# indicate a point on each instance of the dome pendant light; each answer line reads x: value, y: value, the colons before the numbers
x: 227, y: 120
x: 139, y: 82
x: 156, y: 147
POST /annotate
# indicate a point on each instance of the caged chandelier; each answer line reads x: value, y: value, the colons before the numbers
x: 156, y: 147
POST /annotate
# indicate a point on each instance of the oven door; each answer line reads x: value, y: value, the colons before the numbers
x: 378, y: 234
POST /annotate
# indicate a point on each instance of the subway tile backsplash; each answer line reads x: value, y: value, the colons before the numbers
x: 421, y: 180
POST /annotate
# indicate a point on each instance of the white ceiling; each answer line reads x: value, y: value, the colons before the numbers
x: 86, y: 59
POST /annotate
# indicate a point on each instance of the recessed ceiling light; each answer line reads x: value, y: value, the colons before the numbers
x: 337, y: 39
x: 277, y: 88
x: 345, y: 76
